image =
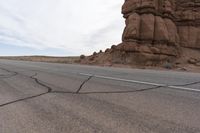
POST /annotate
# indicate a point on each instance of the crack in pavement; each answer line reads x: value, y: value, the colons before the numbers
x: 30, y: 97
x: 121, y: 92
x: 50, y: 90
x: 22, y: 99
x: 178, y: 87
x: 81, y: 86
x: 192, y: 83
x: 7, y: 75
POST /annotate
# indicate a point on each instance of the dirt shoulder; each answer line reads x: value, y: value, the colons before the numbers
x: 82, y: 60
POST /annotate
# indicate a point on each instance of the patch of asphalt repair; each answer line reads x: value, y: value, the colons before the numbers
x: 78, y: 92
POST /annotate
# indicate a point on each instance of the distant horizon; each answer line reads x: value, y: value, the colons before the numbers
x: 57, y: 28
x: 9, y: 50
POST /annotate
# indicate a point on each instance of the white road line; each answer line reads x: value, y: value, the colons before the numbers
x: 141, y: 82
x: 183, y: 88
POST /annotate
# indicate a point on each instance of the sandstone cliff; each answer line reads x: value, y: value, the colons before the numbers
x: 156, y: 32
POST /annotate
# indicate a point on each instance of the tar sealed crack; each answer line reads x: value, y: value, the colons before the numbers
x: 49, y: 90
x: 31, y: 97
x: 121, y: 92
x: 192, y: 83
x: 78, y: 92
x: 11, y: 73
x: 81, y: 86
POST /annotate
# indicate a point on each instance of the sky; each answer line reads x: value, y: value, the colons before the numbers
x: 59, y: 27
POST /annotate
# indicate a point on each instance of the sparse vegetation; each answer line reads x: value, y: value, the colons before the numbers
x: 50, y: 59
x: 168, y: 65
x: 95, y: 53
x: 113, y: 46
x: 82, y: 57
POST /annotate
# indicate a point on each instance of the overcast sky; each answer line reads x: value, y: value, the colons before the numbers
x: 59, y: 27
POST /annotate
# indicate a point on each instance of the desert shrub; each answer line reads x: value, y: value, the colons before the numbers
x: 82, y: 57
x: 95, y: 53
x: 107, y: 50
x: 113, y: 46
x: 168, y: 65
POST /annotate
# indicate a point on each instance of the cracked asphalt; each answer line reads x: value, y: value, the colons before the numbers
x: 56, y: 98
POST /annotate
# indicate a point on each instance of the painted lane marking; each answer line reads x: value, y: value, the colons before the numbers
x: 142, y: 82
x: 183, y: 88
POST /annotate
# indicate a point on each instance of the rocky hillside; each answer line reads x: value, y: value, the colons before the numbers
x: 157, y: 32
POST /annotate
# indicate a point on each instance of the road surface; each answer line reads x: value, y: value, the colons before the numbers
x: 58, y: 98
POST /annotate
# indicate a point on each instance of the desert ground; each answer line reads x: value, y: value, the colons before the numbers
x: 81, y: 60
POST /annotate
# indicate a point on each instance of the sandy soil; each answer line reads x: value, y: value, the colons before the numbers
x: 50, y: 59
x: 77, y: 60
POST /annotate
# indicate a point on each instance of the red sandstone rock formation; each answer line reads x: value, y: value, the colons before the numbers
x: 150, y: 30
x: 188, y: 22
x: 156, y: 32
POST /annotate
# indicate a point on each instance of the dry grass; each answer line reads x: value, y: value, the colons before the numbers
x: 50, y: 59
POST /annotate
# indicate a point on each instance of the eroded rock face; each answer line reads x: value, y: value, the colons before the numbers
x: 156, y: 32
x: 159, y: 28
x: 188, y: 22
x: 150, y: 31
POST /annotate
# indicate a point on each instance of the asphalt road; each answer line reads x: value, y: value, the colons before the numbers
x: 57, y: 98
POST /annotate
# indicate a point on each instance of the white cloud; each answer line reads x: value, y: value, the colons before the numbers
x: 81, y: 26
